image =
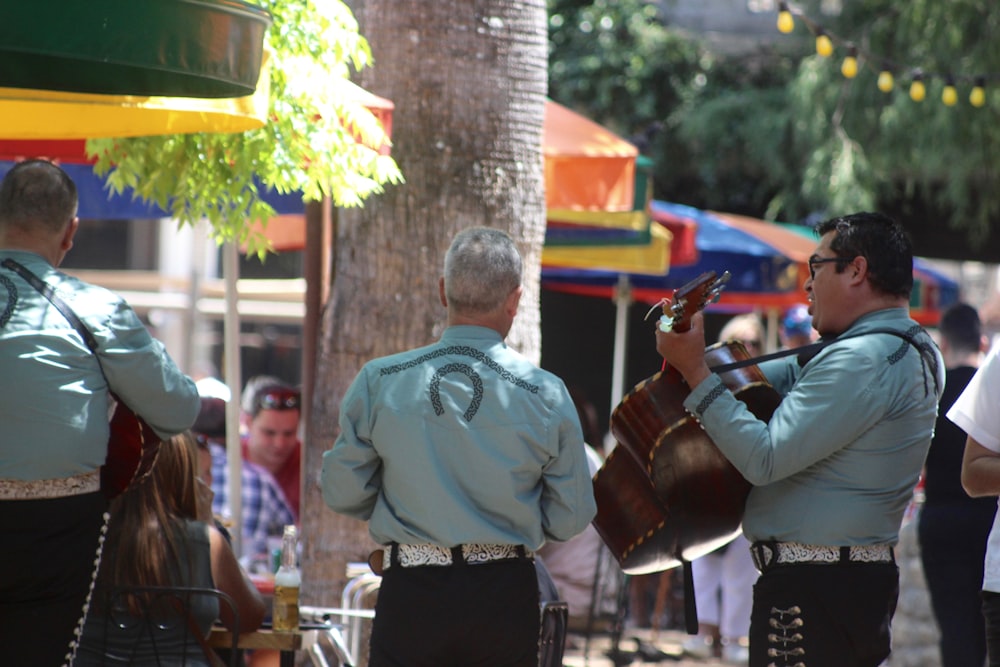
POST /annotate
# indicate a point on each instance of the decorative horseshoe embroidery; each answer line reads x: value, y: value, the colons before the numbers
x: 11, y: 299
x: 477, y: 389
x: 465, y: 369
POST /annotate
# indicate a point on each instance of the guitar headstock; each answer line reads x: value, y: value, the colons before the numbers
x: 689, y: 299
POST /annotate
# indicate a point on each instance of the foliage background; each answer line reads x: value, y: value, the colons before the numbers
x: 779, y: 133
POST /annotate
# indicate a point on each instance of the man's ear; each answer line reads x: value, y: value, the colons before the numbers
x: 513, y: 301
x: 444, y: 299
x: 859, y: 269
x: 67, y: 239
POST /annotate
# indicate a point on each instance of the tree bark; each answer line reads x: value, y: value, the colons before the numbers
x: 468, y: 78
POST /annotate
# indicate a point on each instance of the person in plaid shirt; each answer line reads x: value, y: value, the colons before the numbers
x: 265, y: 509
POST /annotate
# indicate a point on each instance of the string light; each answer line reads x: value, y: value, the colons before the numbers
x: 918, y: 91
x: 850, y: 66
x: 885, y: 82
x: 977, y: 97
x: 824, y: 46
x: 949, y: 95
x: 785, y: 21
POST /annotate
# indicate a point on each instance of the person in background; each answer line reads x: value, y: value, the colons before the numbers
x: 270, y: 423
x: 464, y: 457
x: 724, y: 579
x: 796, y: 328
x: 952, y: 528
x: 56, y: 398
x: 834, y: 468
x: 265, y: 512
x: 162, y: 534
x: 976, y: 412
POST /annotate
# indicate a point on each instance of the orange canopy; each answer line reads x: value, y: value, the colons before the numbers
x: 587, y: 167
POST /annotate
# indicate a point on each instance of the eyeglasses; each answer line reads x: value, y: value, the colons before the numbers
x: 816, y: 259
x: 278, y: 399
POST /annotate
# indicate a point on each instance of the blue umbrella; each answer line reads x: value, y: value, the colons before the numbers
x: 762, y: 273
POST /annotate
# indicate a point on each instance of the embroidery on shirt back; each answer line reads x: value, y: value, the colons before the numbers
x: 11, y: 299
x: 465, y: 369
x: 477, y: 389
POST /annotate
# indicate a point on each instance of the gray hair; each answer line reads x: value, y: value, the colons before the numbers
x: 37, y: 193
x: 481, y: 269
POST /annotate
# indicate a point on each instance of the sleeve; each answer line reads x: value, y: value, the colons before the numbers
x: 351, y: 474
x: 567, y: 501
x: 977, y: 409
x: 813, y: 420
x: 141, y: 373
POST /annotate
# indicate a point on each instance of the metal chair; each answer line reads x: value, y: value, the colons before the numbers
x: 552, y: 641
x: 156, y: 624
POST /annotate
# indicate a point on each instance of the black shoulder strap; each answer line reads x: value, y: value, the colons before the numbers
x: 49, y: 293
x: 806, y: 352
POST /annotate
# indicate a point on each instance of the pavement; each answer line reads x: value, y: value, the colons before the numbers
x: 668, y: 642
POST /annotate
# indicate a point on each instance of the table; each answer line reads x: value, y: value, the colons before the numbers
x: 266, y: 638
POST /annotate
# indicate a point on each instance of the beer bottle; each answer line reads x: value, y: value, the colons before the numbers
x: 286, y: 585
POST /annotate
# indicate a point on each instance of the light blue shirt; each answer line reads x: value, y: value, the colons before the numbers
x: 463, y: 441
x: 54, y: 399
x: 837, y: 462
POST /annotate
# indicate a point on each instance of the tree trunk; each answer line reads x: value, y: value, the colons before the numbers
x: 468, y: 78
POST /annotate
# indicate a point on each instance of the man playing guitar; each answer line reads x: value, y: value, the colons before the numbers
x: 65, y: 347
x: 834, y: 467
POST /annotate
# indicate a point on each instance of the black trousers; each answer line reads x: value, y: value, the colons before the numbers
x: 823, y: 615
x: 460, y: 615
x: 991, y: 612
x: 952, y: 549
x: 46, y: 567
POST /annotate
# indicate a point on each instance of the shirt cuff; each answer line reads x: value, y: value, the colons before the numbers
x: 702, y: 396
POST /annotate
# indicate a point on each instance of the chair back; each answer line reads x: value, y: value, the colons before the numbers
x: 158, y: 624
x: 552, y: 642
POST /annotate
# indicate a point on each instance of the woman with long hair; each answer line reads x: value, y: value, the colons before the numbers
x: 161, y: 534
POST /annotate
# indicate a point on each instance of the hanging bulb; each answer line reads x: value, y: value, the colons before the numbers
x: 949, y: 95
x: 785, y: 21
x: 824, y: 46
x: 977, y: 97
x: 917, y: 89
x: 849, y: 68
x: 885, y: 81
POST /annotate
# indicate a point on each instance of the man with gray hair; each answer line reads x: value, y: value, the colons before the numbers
x: 464, y: 457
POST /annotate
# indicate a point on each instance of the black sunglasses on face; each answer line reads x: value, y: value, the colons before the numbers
x: 816, y: 260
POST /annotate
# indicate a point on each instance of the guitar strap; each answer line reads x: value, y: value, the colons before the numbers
x: 807, y: 352
x: 49, y: 293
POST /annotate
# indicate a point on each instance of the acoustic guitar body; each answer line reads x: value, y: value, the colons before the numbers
x: 132, y: 449
x: 691, y: 499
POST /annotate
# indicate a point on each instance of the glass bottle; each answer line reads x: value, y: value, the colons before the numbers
x: 287, y: 579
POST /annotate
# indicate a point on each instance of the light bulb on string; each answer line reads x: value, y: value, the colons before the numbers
x: 785, y: 21
x: 824, y: 46
x: 977, y: 97
x: 949, y: 95
x: 849, y: 68
x: 885, y: 82
x: 918, y: 91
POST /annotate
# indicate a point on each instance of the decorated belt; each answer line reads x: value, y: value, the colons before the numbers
x: 416, y: 555
x: 18, y: 489
x: 769, y: 554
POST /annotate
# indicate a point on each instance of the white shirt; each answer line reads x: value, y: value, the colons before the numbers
x: 977, y: 412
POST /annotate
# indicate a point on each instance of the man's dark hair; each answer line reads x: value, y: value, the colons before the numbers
x: 960, y: 326
x: 37, y: 192
x: 880, y: 240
